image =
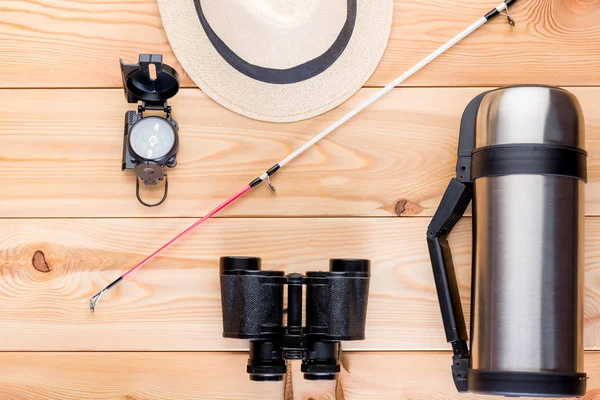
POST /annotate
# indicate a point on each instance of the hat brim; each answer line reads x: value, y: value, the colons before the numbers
x: 278, y: 102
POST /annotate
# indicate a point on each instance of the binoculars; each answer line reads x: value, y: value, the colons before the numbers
x: 253, y: 308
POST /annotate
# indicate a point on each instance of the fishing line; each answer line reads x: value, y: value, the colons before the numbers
x: 501, y: 9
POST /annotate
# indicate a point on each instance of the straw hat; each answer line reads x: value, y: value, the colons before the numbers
x: 278, y: 60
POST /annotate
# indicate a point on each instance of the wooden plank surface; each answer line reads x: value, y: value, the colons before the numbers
x: 61, y: 156
x: 62, y: 186
x: 68, y: 43
x: 222, y: 376
x: 130, y: 376
x: 173, y: 303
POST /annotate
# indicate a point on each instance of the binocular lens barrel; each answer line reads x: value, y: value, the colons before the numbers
x: 322, y: 361
x: 350, y: 265
x: 252, y: 299
x: 266, y: 361
x: 230, y: 264
x: 336, y: 301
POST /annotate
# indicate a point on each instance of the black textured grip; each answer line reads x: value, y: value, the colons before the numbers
x: 252, y: 305
x: 336, y: 306
x: 131, y: 117
x: 455, y: 201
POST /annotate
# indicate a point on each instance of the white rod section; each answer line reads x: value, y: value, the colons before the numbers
x: 386, y: 89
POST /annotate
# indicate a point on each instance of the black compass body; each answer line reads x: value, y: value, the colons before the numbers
x: 151, y: 142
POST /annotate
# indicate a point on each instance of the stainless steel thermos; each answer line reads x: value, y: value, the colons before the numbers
x: 521, y: 159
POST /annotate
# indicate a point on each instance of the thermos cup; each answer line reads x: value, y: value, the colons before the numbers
x: 521, y: 159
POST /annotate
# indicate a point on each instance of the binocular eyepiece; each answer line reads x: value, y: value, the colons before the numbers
x: 336, y: 310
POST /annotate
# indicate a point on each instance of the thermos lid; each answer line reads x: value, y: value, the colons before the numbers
x: 530, y: 114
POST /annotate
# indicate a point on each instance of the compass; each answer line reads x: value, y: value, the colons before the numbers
x: 151, y: 142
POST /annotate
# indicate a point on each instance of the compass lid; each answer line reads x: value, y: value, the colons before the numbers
x: 139, y: 84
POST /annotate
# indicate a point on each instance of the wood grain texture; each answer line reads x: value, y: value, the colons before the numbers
x: 61, y: 156
x: 174, y: 303
x: 222, y: 376
x: 67, y: 43
x: 130, y: 376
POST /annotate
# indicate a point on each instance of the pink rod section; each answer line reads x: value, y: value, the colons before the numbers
x: 191, y: 228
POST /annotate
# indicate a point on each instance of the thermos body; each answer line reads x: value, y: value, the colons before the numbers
x: 528, y: 276
x: 522, y: 162
x: 528, y: 249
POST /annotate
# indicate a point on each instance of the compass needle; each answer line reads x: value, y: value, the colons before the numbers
x: 153, y: 139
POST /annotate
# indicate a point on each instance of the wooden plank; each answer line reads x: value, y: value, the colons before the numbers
x: 63, y: 160
x: 130, y: 376
x: 174, y: 304
x: 198, y: 376
x: 67, y: 43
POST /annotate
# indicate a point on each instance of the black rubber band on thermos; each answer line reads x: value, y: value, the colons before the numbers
x: 530, y: 159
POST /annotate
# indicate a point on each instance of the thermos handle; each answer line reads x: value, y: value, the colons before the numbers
x: 451, y: 209
x: 456, y: 199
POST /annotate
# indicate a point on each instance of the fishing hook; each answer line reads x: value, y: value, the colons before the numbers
x: 270, y: 185
x: 95, y: 300
x: 511, y: 21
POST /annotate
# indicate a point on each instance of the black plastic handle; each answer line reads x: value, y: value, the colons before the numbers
x: 456, y: 199
x: 451, y: 209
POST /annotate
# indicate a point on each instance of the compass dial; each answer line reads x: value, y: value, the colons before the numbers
x: 152, y: 138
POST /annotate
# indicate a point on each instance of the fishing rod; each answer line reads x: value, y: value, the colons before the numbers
x: 501, y: 9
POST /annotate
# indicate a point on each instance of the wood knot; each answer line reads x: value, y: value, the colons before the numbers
x: 39, y: 262
x: 406, y: 208
x: 401, y: 207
